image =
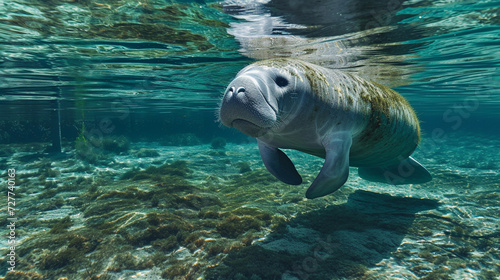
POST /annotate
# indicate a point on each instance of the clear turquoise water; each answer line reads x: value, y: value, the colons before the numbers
x: 125, y: 79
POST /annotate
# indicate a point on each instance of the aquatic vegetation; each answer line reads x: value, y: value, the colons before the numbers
x: 61, y: 225
x: 150, y: 32
x: 61, y: 258
x: 46, y: 172
x: 253, y: 178
x: 243, y: 166
x: 172, y: 173
x: 233, y: 226
x: 488, y: 274
x: 127, y: 261
x: 48, y: 193
x: 21, y: 275
x: 218, y: 143
x: 176, y: 270
x: 165, y: 62
x: 24, y: 131
x: 115, y: 144
x: 158, y: 23
x: 162, y: 219
x: 97, y: 150
x: 143, y: 152
x: 84, y: 150
x: 53, y: 203
x: 166, y: 244
x: 218, y: 153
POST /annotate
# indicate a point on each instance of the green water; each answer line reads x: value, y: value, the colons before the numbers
x: 150, y: 186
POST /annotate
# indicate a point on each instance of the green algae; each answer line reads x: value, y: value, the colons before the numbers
x: 46, y: 172
x: 177, y: 228
x: 254, y: 178
x: 48, y: 193
x: 131, y: 192
x: 85, y: 244
x: 218, y: 143
x: 144, y: 152
x: 202, y: 219
x: 176, y: 270
x: 89, y: 153
x: 233, y: 226
x: 95, y: 149
x: 149, y: 32
x: 53, y: 203
x: 438, y: 274
x: 166, y: 244
x: 64, y: 258
x: 108, y: 208
x: 128, y: 261
x: 176, y: 24
x: 115, y: 144
x: 253, y: 212
x: 243, y: 167
x: 488, y: 274
x: 218, y: 153
x: 60, y: 253
x: 61, y: 225
x: 21, y: 275
x: 177, y: 169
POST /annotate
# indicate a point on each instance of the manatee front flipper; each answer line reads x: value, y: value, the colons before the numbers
x: 408, y: 171
x: 335, y: 170
x: 278, y: 164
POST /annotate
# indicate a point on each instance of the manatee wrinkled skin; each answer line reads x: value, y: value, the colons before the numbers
x: 346, y: 120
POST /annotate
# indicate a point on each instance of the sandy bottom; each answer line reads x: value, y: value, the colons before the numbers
x: 194, y: 212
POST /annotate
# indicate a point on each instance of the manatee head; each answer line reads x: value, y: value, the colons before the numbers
x: 259, y: 98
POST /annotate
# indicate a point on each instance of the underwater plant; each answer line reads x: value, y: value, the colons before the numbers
x: 143, y: 152
x: 233, y: 226
x: 177, y: 169
x: 84, y: 150
x: 218, y: 143
x: 115, y: 144
x: 94, y: 150
x: 243, y: 166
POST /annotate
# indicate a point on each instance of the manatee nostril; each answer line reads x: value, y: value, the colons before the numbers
x: 240, y: 89
x: 229, y: 92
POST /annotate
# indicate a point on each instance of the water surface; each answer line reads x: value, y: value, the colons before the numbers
x: 150, y: 186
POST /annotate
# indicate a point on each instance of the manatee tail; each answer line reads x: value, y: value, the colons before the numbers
x: 408, y: 171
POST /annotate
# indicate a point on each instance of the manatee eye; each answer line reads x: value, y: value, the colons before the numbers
x: 281, y: 81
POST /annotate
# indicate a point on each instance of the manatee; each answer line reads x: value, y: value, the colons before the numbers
x: 348, y: 121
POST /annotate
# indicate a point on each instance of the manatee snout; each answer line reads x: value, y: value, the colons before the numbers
x: 245, y: 107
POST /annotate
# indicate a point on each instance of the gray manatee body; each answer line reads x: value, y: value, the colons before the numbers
x: 346, y: 120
